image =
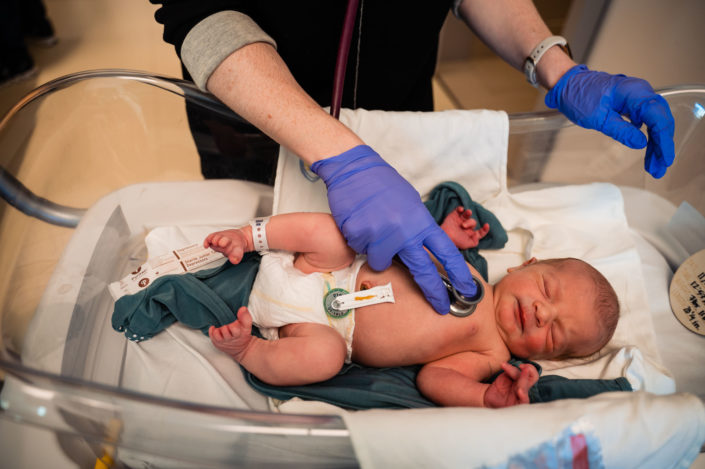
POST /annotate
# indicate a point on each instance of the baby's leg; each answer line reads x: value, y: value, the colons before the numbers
x: 305, y: 353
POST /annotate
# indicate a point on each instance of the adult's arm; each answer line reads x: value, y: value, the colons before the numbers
x: 228, y: 54
x: 256, y: 83
x: 591, y: 99
x: 512, y: 28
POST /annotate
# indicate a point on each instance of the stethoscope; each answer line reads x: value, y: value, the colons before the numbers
x: 460, y: 305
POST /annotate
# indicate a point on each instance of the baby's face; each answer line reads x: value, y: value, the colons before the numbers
x: 546, y: 312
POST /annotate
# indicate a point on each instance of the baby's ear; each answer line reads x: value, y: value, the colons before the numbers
x: 523, y: 264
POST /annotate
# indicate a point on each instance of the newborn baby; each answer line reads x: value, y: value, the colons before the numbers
x: 549, y: 309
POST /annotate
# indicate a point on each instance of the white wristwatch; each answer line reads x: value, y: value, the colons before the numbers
x: 533, y: 59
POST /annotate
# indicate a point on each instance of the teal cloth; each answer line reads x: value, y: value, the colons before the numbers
x: 357, y: 387
x: 444, y: 198
x: 198, y: 300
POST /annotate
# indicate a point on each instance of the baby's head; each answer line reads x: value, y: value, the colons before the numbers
x: 554, y: 309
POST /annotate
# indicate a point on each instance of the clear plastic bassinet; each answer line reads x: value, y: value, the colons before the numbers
x: 121, y: 122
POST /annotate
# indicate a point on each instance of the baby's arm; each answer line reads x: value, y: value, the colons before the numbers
x: 457, y: 381
x: 460, y: 228
x: 315, y: 235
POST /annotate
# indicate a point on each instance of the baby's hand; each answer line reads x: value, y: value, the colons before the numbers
x: 512, y: 386
x: 460, y: 228
x: 231, y: 243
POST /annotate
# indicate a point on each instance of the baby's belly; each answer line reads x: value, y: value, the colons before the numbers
x: 408, y: 331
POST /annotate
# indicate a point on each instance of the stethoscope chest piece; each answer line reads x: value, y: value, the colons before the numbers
x: 461, y: 305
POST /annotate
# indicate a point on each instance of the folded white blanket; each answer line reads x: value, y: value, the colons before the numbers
x: 426, y: 148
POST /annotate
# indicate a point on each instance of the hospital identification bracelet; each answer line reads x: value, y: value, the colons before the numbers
x: 533, y: 59
x: 259, y: 234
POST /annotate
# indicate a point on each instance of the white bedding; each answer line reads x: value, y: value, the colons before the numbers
x: 582, y: 221
x: 391, y: 438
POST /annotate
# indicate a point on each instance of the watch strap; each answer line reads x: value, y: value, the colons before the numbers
x: 535, y: 56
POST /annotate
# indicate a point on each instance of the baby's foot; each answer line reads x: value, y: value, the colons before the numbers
x: 231, y: 243
x: 234, y: 338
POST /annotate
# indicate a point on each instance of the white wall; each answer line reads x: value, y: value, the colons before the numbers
x: 660, y: 41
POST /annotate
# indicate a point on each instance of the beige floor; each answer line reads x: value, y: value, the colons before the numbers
x: 96, y: 34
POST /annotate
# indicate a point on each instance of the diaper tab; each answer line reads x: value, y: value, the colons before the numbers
x: 371, y: 296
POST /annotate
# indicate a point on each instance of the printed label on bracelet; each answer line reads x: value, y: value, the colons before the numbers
x: 328, y: 303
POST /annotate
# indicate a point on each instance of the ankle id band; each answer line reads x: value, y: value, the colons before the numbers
x: 259, y: 234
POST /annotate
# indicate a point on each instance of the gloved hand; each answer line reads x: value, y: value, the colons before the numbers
x: 381, y: 214
x: 597, y: 100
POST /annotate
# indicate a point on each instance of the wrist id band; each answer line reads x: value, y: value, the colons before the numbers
x: 533, y: 59
x: 259, y: 234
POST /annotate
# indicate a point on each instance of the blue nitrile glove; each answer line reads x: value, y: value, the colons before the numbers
x: 381, y: 214
x: 597, y: 100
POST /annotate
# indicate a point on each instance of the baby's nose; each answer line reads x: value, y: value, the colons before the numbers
x: 544, y: 314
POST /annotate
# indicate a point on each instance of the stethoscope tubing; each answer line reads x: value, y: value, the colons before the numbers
x: 341, y: 61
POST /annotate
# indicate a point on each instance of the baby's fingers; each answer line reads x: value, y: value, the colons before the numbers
x: 512, y: 371
x: 528, y: 376
x: 484, y: 229
x: 469, y: 224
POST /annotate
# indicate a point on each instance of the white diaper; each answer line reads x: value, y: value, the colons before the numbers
x: 283, y: 295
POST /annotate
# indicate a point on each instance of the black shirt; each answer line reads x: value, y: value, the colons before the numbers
x: 391, y: 70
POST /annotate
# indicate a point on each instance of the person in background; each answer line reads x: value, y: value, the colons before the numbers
x: 273, y: 64
x: 22, y: 21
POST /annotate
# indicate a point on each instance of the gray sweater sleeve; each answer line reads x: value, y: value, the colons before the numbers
x: 216, y: 37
